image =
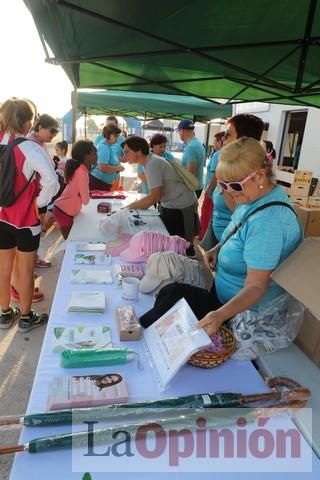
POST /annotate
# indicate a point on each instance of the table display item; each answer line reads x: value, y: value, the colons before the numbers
x: 104, y: 207
x: 91, y: 276
x: 128, y: 325
x: 172, y: 340
x: 91, y: 247
x: 81, y: 338
x: 223, y: 346
x: 92, y: 259
x: 129, y: 270
x: 107, y: 194
x: 130, y: 288
x: 284, y: 393
x: 86, y: 391
x: 101, y: 358
x: 89, y: 301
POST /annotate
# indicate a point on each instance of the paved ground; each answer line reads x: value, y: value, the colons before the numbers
x: 19, y: 353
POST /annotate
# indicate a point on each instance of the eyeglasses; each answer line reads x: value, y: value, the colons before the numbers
x: 54, y: 131
x: 233, y: 186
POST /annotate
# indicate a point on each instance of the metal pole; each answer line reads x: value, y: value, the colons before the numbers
x: 207, y: 137
x: 85, y: 124
x: 74, y: 101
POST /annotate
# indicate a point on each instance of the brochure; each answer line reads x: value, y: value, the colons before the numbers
x: 81, y: 338
x: 86, y: 391
x: 87, y: 302
x: 91, y: 276
x: 172, y: 340
x: 91, y: 247
x: 92, y: 259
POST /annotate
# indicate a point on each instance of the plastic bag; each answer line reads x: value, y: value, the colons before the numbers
x: 117, y: 223
x: 269, y: 330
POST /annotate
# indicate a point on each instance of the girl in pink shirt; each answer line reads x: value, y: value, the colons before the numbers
x: 76, y: 193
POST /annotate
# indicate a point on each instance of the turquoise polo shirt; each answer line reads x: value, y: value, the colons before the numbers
x: 221, y: 215
x: 195, y: 152
x: 262, y: 243
x: 106, y: 156
x: 212, y: 165
x: 116, y: 147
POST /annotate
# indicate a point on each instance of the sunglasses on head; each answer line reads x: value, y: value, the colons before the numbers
x: 54, y: 131
x: 234, y: 186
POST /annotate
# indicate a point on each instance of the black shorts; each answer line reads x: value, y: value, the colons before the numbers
x: 22, y: 238
x: 43, y: 210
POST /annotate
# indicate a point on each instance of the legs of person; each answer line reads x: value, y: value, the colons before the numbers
x: 64, y: 221
x: 7, y: 257
x: 205, y: 216
x: 173, y: 220
x: 24, y: 279
x: 40, y: 263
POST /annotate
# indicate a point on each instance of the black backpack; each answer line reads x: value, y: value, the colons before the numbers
x: 8, y: 172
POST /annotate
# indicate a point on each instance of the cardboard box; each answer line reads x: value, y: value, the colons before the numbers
x: 299, y: 189
x: 316, y: 191
x: 314, y: 202
x: 302, y: 177
x: 299, y: 275
x: 310, y: 220
x: 128, y: 325
x: 298, y: 200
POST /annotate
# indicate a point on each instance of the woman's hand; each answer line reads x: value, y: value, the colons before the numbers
x: 211, y: 322
x: 120, y: 168
x: 211, y: 256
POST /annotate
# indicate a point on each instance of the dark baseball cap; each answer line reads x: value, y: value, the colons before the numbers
x: 186, y: 125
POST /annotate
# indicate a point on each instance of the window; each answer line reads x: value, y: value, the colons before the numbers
x: 292, y: 138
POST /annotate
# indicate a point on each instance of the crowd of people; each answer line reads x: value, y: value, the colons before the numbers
x: 247, y: 225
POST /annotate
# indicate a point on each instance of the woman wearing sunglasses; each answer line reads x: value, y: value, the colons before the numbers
x: 259, y: 237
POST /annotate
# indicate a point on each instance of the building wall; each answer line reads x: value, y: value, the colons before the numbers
x: 275, y: 116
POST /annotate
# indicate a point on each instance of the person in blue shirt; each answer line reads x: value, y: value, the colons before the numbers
x: 238, y: 126
x: 158, y: 144
x: 246, y: 256
x: 194, y: 154
x: 116, y: 147
x: 108, y: 167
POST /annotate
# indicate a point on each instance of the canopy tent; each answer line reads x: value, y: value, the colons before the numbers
x: 150, y: 105
x: 244, y: 50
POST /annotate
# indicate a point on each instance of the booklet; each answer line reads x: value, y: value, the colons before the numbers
x: 172, y: 340
x: 91, y: 247
x: 86, y: 391
x: 91, y: 276
x: 92, y: 259
x: 87, y: 302
x: 81, y: 338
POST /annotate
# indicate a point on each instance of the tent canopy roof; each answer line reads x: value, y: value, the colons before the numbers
x: 150, y: 105
x: 247, y: 50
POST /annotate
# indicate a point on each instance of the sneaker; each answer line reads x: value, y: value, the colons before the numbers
x: 36, y: 297
x: 31, y: 321
x: 8, y: 317
x: 40, y: 263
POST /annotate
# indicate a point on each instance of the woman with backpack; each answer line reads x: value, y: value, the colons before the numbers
x: 76, y: 193
x: 34, y: 183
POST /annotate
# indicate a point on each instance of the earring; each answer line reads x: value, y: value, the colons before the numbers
x: 261, y: 187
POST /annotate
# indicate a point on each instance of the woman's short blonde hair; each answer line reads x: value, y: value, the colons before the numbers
x: 14, y: 113
x: 241, y: 158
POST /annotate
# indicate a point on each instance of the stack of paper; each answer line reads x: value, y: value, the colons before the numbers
x: 81, y: 338
x: 91, y: 276
x: 87, y: 302
x: 92, y: 259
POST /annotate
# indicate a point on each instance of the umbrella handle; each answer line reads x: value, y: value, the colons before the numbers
x: 12, y: 449
x: 275, y: 382
x: 274, y: 410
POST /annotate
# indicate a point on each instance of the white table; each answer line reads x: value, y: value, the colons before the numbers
x: 232, y: 376
x: 86, y: 224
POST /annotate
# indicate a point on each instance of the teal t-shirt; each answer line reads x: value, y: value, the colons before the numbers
x: 212, y: 165
x: 145, y: 189
x: 116, y: 147
x: 98, y: 139
x: 221, y: 215
x: 106, y: 156
x: 262, y: 243
x: 195, y: 152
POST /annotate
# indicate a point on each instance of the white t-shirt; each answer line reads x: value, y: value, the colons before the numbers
x: 175, y: 193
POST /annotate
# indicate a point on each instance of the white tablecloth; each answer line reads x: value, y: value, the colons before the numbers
x: 232, y: 376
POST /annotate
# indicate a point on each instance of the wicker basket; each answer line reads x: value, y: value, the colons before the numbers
x: 210, y: 359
